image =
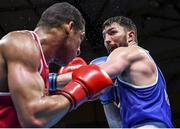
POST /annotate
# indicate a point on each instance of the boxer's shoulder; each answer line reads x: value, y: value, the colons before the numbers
x: 18, y: 39
x: 17, y: 36
x: 19, y: 44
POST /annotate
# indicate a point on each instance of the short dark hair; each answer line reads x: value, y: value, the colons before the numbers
x: 122, y: 21
x: 60, y: 13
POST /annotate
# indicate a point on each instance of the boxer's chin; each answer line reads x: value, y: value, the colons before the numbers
x: 56, y: 61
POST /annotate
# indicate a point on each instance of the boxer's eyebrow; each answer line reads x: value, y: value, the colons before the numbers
x: 107, y: 30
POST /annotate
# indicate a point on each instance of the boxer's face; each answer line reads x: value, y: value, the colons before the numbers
x: 114, y: 36
x: 71, y: 47
x: 74, y: 44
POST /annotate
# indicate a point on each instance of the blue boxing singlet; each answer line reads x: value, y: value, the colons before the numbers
x: 143, y: 104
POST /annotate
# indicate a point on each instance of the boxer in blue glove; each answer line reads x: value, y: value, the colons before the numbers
x: 140, y: 85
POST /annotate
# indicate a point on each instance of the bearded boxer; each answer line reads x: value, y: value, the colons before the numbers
x: 24, y: 59
x: 139, y: 83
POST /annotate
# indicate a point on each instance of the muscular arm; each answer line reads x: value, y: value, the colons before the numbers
x: 113, y: 117
x: 139, y: 67
x: 26, y: 85
x: 117, y: 62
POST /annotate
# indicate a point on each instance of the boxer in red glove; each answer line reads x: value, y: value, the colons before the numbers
x: 24, y: 59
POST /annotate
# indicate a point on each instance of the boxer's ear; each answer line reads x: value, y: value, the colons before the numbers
x: 68, y: 27
x: 130, y: 36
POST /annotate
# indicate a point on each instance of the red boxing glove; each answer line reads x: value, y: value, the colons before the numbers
x: 74, y: 64
x: 86, y: 81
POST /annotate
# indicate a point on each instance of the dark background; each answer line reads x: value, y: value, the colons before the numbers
x: 158, y: 23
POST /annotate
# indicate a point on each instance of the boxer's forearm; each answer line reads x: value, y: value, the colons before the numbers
x: 112, y: 115
x: 63, y: 79
x: 47, y: 111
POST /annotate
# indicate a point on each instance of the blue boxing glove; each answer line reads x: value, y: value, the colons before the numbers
x: 99, y: 60
x: 109, y: 95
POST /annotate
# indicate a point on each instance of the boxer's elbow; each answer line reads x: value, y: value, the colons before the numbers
x: 44, y: 112
x: 32, y: 123
x: 33, y: 118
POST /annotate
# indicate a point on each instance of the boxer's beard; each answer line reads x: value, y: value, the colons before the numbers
x: 122, y: 43
x: 116, y: 46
